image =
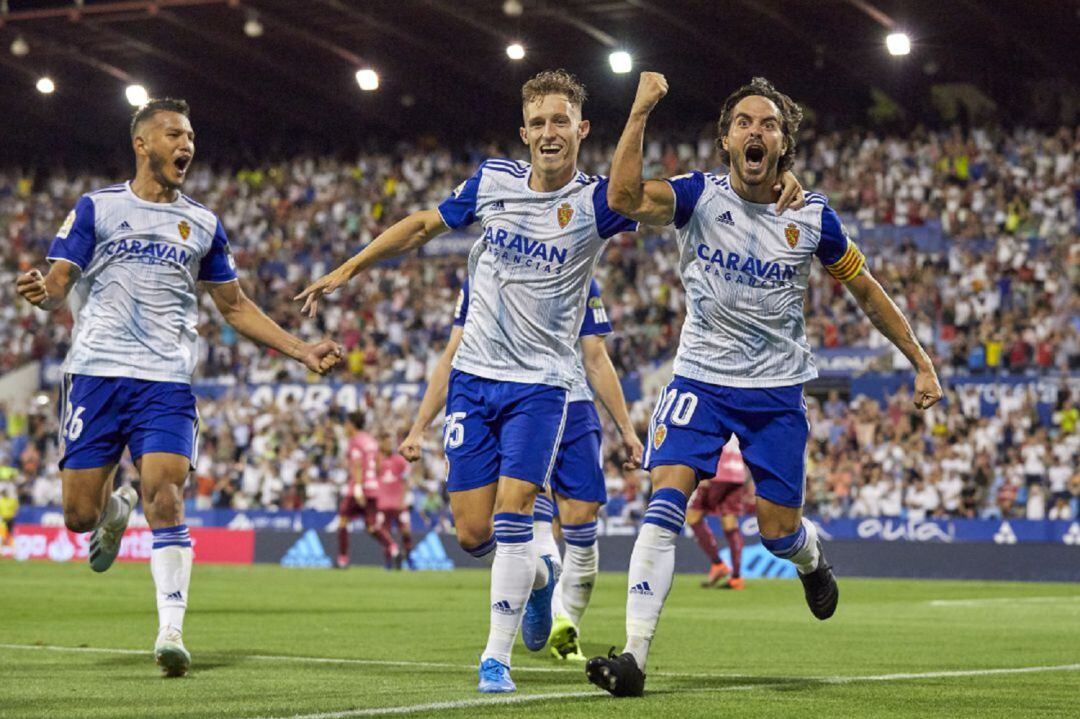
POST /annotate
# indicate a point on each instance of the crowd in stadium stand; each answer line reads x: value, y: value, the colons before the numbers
x: 999, y: 295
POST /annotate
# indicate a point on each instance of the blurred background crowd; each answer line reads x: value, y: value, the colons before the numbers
x: 973, y: 233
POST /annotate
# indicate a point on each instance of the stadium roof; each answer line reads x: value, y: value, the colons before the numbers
x: 444, y: 70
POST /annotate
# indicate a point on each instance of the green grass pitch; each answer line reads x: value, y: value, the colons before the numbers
x: 274, y: 642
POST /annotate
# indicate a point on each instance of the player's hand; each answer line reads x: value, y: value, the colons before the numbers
x: 652, y: 86
x: 410, y: 447
x: 791, y: 193
x: 927, y: 389
x: 633, y: 449
x: 322, y: 356
x: 322, y: 286
x: 31, y: 286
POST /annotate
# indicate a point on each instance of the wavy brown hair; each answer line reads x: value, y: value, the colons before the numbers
x: 554, y: 82
x: 790, y: 117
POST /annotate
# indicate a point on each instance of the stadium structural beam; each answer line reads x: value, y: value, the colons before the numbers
x: 76, y: 12
x: 878, y: 15
x: 391, y: 29
x: 170, y: 59
x: 78, y: 56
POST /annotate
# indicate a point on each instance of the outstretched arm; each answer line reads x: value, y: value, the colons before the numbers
x: 48, y: 292
x: 240, y: 312
x: 887, y: 318
x: 434, y: 398
x: 403, y: 236
x: 605, y: 382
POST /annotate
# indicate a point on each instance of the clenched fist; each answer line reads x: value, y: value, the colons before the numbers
x: 31, y: 286
x: 652, y: 86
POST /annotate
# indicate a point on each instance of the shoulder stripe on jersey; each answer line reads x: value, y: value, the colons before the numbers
x: 508, y: 164
x: 108, y: 192
x: 817, y: 202
x: 193, y: 202
x: 815, y: 196
x: 504, y: 171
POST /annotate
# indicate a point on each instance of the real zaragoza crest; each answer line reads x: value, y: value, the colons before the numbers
x: 659, y: 435
x: 791, y: 233
x: 184, y: 228
x: 564, y: 214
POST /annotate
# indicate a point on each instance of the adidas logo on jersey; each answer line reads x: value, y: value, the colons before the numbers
x: 642, y: 588
x: 175, y: 596
x: 124, y: 227
x: 503, y: 607
x: 725, y: 218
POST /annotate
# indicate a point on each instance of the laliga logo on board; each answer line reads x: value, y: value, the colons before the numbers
x: 185, y: 229
x: 791, y: 234
x: 564, y: 213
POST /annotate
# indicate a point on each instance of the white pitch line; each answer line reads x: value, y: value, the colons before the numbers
x: 436, y: 706
x: 575, y: 669
x: 1002, y: 600
x: 520, y: 699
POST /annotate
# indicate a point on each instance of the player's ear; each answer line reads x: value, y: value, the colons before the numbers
x: 524, y: 135
x: 722, y: 142
x: 583, y: 129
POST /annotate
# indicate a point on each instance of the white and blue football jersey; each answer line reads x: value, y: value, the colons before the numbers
x: 595, y: 322
x: 529, y: 271
x: 746, y: 270
x: 135, y: 308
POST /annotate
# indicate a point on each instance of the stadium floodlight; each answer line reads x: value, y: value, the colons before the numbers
x: 621, y: 62
x: 253, y: 27
x: 513, y: 8
x: 515, y: 51
x: 367, y: 79
x: 137, y: 95
x: 46, y: 86
x: 898, y: 43
x: 19, y: 47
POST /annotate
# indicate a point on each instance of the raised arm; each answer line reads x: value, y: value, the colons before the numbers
x: 243, y: 314
x: 650, y: 202
x: 434, y: 398
x: 403, y: 236
x: 887, y: 318
x: 605, y: 382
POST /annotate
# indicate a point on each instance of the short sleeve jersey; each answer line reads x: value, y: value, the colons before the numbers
x: 529, y: 270
x: 135, y: 305
x: 746, y: 271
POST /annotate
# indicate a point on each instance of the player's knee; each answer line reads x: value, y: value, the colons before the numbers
x: 80, y: 519
x: 163, y: 505
x: 473, y: 535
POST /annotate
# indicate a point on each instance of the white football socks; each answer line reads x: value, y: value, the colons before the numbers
x: 512, y: 575
x: 652, y: 567
x: 170, y: 565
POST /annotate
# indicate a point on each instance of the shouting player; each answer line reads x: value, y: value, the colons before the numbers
x: 133, y: 254
x: 577, y: 479
x: 723, y: 495
x: 743, y: 355
x: 362, y: 493
x: 545, y: 224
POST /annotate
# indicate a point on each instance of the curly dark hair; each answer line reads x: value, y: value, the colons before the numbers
x: 165, y: 104
x: 554, y: 82
x: 790, y: 117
